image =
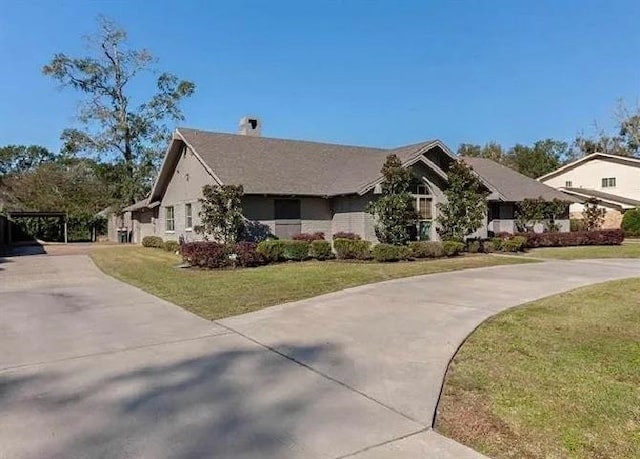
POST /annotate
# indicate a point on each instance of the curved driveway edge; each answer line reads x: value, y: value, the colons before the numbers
x: 98, y: 368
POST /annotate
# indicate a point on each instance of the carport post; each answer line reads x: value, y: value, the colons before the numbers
x: 65, y: 228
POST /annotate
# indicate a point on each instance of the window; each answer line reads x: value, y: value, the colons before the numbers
x: 423, y: 208
x: 169, y: 222
x: 568, y: 184
x: 287, y: 215
x: 609, y: 182
x: 188, y: 216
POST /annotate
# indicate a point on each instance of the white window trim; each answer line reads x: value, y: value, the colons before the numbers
x: 188, y: 227
x: 173, y: 218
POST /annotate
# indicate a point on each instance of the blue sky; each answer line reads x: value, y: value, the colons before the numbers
x: 380, y: 73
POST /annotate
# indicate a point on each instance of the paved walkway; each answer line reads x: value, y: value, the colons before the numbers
x: 91, y: 367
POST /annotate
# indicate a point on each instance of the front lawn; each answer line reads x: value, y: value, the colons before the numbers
x: 217, y: 294
x: 555, y: 378
x: 626, y: 250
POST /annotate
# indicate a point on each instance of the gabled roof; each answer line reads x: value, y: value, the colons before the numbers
x: 512, y: 186
x: 266, y: 165
x: 608, y: 197
x: 627, y: 160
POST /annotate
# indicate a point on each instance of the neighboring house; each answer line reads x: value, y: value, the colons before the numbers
x: 613, y: 181
x: 294, y: 186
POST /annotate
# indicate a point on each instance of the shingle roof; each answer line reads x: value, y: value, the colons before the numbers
x: 276, y: 166
x: 604, y: 196
x: 511, y: 185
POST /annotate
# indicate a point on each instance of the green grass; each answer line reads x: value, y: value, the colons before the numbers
x: 557, y: 378
x: 217, y: 294
x: 626, y: 250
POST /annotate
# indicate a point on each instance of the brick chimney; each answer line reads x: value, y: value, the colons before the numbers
x: 250, y: 125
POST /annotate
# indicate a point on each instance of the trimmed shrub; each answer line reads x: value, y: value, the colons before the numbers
x: 320, y: 250
x: 631, y: 222
x: 271, y: 250
x: 452, y: 248
x: 389, y: 252
x: 153, y: 241
x: 426, y: 249
x: 317, y: 236
x: 346, y: 235
x: 171, y: 246
x: 204, y: 254
x: 496, y: 242
x: 246, y: 254
x: 514, y: 244
x: 602, y: 237
x: 352, y: 249
x: 576, y: 224
x: 474, y: 246
x: 295, y: 250
x: 488, y: 247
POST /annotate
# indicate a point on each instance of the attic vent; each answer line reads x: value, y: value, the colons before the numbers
x: 250, y: 126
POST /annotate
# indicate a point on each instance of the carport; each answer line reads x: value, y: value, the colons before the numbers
x: 12, y: 216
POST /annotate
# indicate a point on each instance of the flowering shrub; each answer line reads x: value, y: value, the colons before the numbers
x: 317, y: 236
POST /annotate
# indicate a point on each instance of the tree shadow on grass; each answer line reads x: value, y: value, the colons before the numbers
x: 239, y: 402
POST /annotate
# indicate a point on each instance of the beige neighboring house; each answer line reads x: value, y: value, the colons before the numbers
x: 614, y: 181
x: 294, y: 186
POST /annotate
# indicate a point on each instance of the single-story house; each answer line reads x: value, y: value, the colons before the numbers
x: 612, y: 181
x: 294, y: 186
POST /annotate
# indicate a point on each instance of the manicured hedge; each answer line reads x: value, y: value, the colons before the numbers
x: 213, y: 255
x: 602, y: 237
x: 171, y: 246
x: 317, y: 236
x: 389, y: 252
x: 205, y: 254
x: 426, y: 249
x: 513, y: 244
x: 295, y: 250
x: 153, y: 241
x: 631, y: 222
x: 346, y: 235
x: 320, y: 250
x: 452, y: 248
x: 352, y: 249
x: 271, y: 250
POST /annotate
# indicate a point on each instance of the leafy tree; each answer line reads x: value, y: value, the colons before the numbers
x: 466, y: 204
x: 529, y: 212
x: 111, y: 122
x: 592, y: 215
x: 394, y: 211
x: 221, y: 214
x: 16, y: 159
x: 543, y: 157
x: 491, y: 150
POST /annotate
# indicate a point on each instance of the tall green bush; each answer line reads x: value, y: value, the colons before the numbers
x: 631, y: 222
x: 466, y: 204
x: 221, y: 213
x: 393, y: 211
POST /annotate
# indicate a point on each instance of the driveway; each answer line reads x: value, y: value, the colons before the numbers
x: 91, y: 367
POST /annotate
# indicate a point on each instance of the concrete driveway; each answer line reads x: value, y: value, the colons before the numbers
x: 91, y: 367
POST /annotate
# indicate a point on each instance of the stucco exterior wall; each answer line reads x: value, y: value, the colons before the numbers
x: 185, y: 187
x: 590, y: 174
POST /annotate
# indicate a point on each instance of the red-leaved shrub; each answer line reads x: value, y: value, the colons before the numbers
x: 346, y: 235
x: 213, y: 255
x: 602, y: 237
x: 317, y: 236
x: 246, y: 254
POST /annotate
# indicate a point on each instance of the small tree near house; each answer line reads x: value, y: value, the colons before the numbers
x: 221, y: 213
x: 466, y: 204
x: 530, y: 212
x: 394, y: 211
x: 592, y: 215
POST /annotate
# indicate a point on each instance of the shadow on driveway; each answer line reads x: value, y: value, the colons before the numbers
x: 243, y: 402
